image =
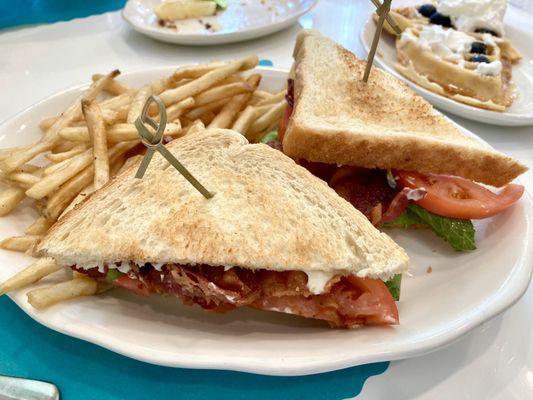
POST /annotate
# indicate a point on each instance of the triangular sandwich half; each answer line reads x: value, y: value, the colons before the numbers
x: 386, y: 150
x: 273, y: 237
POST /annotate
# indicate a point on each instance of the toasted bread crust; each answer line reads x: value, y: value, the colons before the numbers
x: 339, y: 119
x: 267, y: 213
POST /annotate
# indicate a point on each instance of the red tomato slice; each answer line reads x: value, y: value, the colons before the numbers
x: 133, y: 285
x: 376, y: 305
x: 456, y: 197
x: 284, y: 123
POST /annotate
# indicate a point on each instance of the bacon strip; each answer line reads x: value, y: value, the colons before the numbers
x: 400, y: 202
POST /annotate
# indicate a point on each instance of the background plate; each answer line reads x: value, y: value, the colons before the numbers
x: 521, y: 111
x: 464, y: 290
x: 242, y: 20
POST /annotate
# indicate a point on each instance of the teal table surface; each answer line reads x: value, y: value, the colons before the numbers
x: 84, y: 371
x: 29, y: 12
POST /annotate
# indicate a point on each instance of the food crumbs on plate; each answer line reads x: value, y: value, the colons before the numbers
x: 429, y: 270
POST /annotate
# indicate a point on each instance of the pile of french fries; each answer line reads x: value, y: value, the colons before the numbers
x: 94, y: 139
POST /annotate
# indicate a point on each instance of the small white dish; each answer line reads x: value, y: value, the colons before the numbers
x: 462, y: 291
x: 242, y: 20
x: 521, y: 111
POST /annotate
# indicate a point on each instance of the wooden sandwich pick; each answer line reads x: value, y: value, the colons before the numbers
x: 383, y: 11
x: 154, y: 142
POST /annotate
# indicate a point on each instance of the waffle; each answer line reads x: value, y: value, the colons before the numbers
x: 461, y: 76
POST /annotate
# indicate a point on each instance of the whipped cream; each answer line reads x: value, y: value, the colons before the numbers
x: 447, y: 44
x: 451, y: 45
x: 490, y: 69
x: 469, y: 15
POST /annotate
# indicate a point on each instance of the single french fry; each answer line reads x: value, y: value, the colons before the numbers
x: 24, y: 179
x: 19, y: 243
x: 197, y: 112
x: 115, y: 133
x: 64, y: 146
x: 79, y: 286
x: 228, y: 113
x: 117, y: 102
x: 244, y: 120
x: 138, y: 102
x: 196, y: 71
x: 10, y: 198
x: 266, y: 120
x: 96, y: 127
x: 7, y: 152
x: 54, y: 180
x: 114, y: 87
x: 39, y: 227
x: 30, y: 168
x: 33, y: 273
x: 46, y: 123
x: 175, y: 110
x: 51, y: 136
x: 260, y: 95
x: 221, y: 92
x: 206, y: 81
x: 58, y: 157
x: 51, y: 168
x: 276, y: 98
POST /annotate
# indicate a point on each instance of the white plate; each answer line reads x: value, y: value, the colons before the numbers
x: 464, y: 290
x: 521, y: 111
x: 242, y: 20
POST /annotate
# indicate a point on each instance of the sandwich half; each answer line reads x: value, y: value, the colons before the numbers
x: 273, y: 237
x: 383, y: 147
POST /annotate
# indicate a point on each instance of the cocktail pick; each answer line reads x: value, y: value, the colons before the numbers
x: 154, y: 142
x: 389, y: 19
x: 382, y: 11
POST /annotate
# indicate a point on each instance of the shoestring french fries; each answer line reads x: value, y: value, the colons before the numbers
x: 95, y: 138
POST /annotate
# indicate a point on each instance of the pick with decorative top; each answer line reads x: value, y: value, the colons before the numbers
x: 153, y: 143
x: 382, y: 11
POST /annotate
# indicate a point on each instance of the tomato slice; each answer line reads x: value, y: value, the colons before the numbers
x: 284, y: 123
x: 456, y: 197
x: 133, y: 285
x: 376, y: 305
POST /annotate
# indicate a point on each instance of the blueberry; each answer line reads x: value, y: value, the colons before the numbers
x: 427, y: 10
x: 439, y: 19
x: 478, y: 48
x: 478, y: 58
x: 485, y: 30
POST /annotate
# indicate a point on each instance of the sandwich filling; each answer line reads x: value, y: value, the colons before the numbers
x: 345, y: 302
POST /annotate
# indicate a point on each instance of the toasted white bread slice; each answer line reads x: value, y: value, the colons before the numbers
x: 339, y: 119
x: 267, y: 213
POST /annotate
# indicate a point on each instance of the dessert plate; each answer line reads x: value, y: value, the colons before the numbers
x: 242, y: 20
x: 521, y: 111
x: 462, y: 291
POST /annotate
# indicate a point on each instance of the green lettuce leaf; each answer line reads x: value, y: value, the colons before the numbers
x: 272, y: 135
x: 113, y: 274
x: 394, y: 286
x: 459, y: 233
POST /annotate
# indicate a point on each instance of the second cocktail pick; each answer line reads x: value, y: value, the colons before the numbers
x: 382, y: 11
x: 154, y: 142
